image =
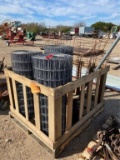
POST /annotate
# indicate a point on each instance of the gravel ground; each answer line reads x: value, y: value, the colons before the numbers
x: 15, y: 144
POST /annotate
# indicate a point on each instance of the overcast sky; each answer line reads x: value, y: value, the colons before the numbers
x: 55, y: 12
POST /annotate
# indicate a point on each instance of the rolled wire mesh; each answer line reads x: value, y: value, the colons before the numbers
x: 22, y: 65
x: 58, y: 49
x: 53, y: 73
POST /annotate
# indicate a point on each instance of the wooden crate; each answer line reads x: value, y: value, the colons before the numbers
x: 56, y: 141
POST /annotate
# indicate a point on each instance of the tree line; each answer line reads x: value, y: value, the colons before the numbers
x: 104, y: 26
x: 40, y: 27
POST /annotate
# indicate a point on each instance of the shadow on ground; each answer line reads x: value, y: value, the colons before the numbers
x: 6, y: 112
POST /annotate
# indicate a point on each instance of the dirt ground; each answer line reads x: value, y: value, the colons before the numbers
x: 15, y: 144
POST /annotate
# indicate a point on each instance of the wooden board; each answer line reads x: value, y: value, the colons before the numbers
x: 69, y: 110
x: 21, y: 79
x: 36, y: 139
x: 55, y: 118
x: 77, y: 126
x: 32, y: 128
x: 37, y: 111
x: 56, y: 152
x: 62, y: 90
x: 82, y: 96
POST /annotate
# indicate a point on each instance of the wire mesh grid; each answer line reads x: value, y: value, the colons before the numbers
x: 91, y: 46
x: 59, y: 49
x: 54, y: 42
x: 53, y: 73
x: 22, y: 65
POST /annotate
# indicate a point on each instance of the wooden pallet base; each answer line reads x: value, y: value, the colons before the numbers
x: 53, y: 152
x: 26, y: 130
x: 80, y: 130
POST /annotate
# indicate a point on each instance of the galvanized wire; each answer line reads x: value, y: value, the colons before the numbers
x: 22, y: 65
x: 52, y: 72
x: 59, y: 49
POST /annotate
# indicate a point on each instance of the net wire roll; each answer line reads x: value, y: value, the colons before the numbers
x: 22, y: 65
x: 52, y: 71
x: 58, y: 49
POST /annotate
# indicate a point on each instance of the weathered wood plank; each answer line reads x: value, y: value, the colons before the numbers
x: 78, y: 131
x: 10, y: 93
x: 54, y: 118
x: 57, y: 92
x: 32, y: 128
x: 102, y: 87
x: 37, y: 111
x: 44, y: 90
x: 69, y: 110
x: 33, y: 137
x: 15, y: 95
x: 96, y: 92
x: 62, y: 90
x: 74, y: 128
x: 89, y: 94
x: 82, y: 95
x: 25, y: 102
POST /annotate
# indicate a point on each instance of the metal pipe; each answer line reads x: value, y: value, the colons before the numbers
x: 108, y: 52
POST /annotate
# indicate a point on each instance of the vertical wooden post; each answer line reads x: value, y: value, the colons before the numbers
x: 37, y: 111
x: 96, y: 92
x: 25, y: 102
x: 54, y: 117
x: 89, y: 94
x: 82, y: 96
x: 69, y: 110
x: 102, y: 87
x: 10, y: 93
x: 15, y: 95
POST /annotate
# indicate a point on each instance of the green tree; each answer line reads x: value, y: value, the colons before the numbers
x: 34, y: 27
x: 104, y: 26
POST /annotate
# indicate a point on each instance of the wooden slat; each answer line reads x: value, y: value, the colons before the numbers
x: 74, y: 128
x: 44, y: 90
x: 78, y: 131
x: 59, y: 91
x: 15, y: 95
x: 33, y: 137
x: 32, y: 128
x: 62, y: 90
x: 37, y: 111
x: 102, y: 87
x: 96, y: 92
x: 89, y: 94
x: 10, y: 94
x: 69, y: 110
x: 82, y: 95
x: 25, y: 102
x: 54, y: 118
